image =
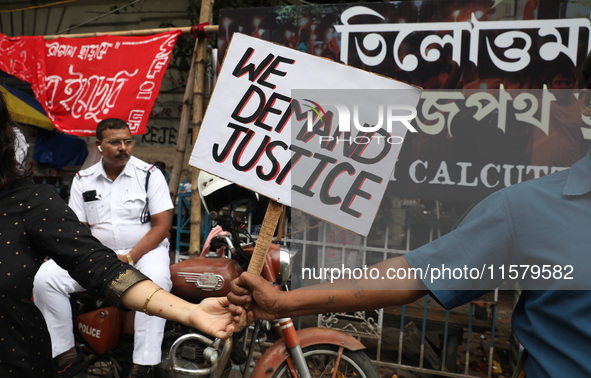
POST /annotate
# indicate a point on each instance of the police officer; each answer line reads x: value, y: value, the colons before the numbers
x: 126, y: 203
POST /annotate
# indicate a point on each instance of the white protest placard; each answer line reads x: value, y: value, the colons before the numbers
x: 310, y: 133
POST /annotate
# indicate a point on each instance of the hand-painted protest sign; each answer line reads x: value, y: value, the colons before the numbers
x: 307, y: 132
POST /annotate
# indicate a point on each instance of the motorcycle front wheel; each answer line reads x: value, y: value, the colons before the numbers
x: 322, y: 359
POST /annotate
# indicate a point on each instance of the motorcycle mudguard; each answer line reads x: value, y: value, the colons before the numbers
x: 100, y: 328
x: 278, y: 352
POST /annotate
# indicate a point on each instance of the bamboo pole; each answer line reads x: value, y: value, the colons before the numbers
x: 198, y: 110
x: 209, y: 29
x: 181, y: 143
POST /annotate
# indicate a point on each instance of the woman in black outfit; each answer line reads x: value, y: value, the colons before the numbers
x: 35, y: 223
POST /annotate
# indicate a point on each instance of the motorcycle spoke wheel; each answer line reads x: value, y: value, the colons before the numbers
x: 322, y: 359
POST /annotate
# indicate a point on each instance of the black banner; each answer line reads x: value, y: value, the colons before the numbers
x: 500, y: 97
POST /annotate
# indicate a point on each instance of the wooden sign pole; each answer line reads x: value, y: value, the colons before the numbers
x: 265, y: 238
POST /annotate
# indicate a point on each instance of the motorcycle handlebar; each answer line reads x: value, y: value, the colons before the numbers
x: 224, y: 241
x: 227, y: 222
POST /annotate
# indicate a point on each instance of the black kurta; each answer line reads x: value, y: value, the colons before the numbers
x: 34, y: 223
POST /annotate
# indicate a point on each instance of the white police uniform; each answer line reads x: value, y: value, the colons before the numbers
x: 113, y: 211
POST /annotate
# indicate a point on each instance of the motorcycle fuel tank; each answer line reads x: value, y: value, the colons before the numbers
x: 203, y: 277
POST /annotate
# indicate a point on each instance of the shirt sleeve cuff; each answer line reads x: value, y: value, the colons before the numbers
x: 123, y: 282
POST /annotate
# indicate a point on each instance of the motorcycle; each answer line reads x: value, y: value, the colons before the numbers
x: 106, y: 333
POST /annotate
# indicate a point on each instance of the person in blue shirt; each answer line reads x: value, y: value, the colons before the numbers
x: 543, y: 224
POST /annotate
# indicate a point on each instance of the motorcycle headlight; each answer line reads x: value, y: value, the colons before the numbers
x: 284, y: 265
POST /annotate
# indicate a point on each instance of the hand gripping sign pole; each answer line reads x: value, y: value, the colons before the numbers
x: 257, y: 261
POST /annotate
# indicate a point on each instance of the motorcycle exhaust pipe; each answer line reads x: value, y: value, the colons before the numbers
x: 211, y: 354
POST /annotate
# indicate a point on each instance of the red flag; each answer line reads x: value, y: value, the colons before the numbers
x: 19, y: 56
x: 82, y: 81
